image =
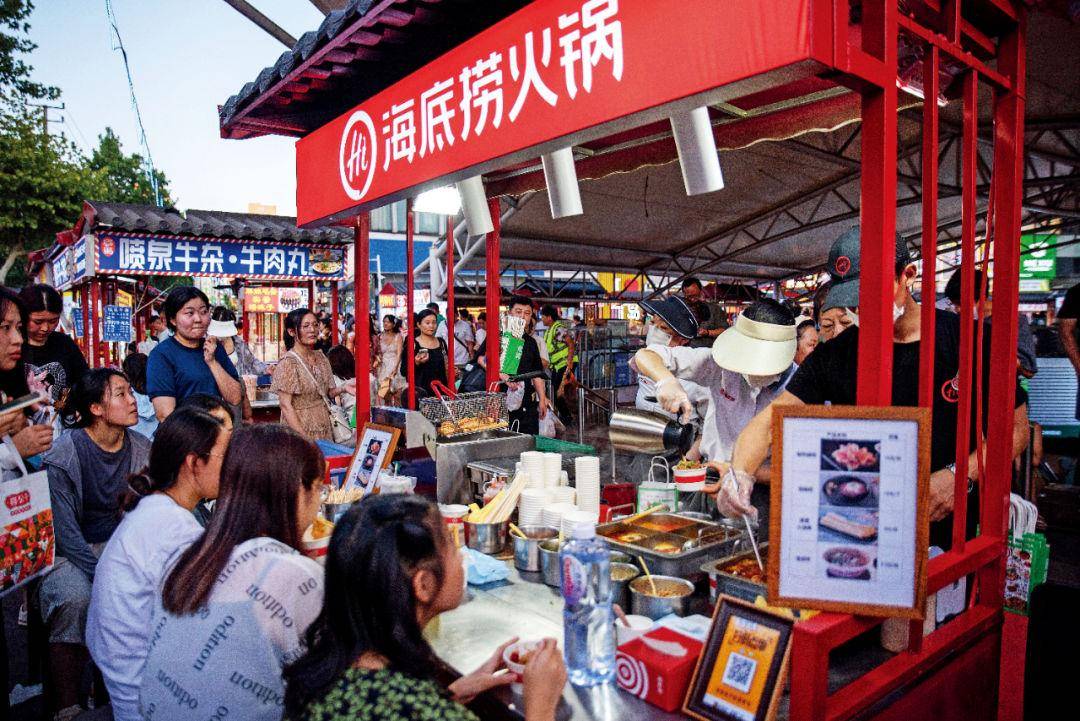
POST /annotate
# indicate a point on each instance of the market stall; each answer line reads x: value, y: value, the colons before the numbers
x: 114, y: 249
x: 629, y: 94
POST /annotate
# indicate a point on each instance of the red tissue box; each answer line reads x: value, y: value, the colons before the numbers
x: 646, y: 671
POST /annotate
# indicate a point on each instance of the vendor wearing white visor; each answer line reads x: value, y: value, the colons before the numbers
x: 746, y: 368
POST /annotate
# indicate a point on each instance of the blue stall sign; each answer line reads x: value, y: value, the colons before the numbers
x: 117, y: 324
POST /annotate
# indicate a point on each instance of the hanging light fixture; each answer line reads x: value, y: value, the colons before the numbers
x: 474, y: 204
x: 698, y: 158
x: 564, y: 195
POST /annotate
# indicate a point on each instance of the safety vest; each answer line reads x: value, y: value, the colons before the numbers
x: 558, y: 351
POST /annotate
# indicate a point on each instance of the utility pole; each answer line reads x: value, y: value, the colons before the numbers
x: 45, y: 120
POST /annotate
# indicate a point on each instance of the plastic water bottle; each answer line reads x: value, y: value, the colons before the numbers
x: 588, y: 643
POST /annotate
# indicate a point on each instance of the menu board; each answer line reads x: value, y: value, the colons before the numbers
x: 849, y: 517
x: 117, y: 324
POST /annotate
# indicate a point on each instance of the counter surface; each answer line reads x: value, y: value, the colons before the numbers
x: 523, y: 606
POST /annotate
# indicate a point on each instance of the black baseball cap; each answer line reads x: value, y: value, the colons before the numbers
x: 675, y: 312
x: 844, y: 268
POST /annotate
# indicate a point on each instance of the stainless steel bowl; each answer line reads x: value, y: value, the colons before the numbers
x: 644, y: 603
x: 487, y: 538
x: 527, y: 550
x: 620, y: 590
x: 549, y: 562
x: 620, y: 557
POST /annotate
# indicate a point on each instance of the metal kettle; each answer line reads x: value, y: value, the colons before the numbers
x: 638, y: 431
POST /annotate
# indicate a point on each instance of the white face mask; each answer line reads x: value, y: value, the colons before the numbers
x: 759, y: 382
x: 657, y: 336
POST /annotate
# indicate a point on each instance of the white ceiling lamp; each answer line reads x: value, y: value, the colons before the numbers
x: 474, y: 204
x: 697, y: 151
x: 564, y: 195
x: 441, y: 201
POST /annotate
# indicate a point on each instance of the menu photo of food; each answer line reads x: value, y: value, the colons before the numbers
x: 848, y: 562
x: 850, y: 455
x: 852, y: 490
x: 846, y: 525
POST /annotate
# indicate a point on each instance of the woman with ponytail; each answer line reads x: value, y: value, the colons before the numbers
x: 390, y: 569
x: 88, y: 468
x: 185, y: 467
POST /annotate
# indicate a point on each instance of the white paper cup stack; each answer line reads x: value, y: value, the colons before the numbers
x: 587, y: 481
x: 552, y: 515
x: 561, y: 494
x: 531, y: 506
x: 532, y: 462
x: 570, y: 519
x: 552, y: 469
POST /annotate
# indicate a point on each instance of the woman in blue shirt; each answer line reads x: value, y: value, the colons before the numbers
x: 190, y: 361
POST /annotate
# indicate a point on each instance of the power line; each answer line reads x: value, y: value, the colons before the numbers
x: 151, y: 175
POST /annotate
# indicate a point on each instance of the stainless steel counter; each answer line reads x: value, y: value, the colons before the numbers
x: 523, y: 606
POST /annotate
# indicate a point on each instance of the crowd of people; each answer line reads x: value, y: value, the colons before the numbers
x: 178, y: 566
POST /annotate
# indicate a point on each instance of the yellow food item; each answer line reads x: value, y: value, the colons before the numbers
x: 321, y: 528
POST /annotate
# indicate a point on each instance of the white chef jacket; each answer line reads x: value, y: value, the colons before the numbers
x: 732, y: 402
x: 126, y: 582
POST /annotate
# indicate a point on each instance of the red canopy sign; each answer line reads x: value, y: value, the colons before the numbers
x: 553, y: 73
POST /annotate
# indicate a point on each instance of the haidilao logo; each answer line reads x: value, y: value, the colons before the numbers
x: 842, y: 265
x: 950, y: 390
x: 17, y: 500
x: 356, y: 156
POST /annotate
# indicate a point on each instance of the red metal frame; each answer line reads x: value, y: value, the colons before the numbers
x: 362, y: 306
x: 451, y: 311
x: 334, y: 314
x: 814, y: 639
x: 493, y: 294
x: 410, y: 311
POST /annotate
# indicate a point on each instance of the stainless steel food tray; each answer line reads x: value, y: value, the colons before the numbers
x: 717, y: 542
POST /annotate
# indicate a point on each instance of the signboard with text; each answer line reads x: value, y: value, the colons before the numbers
x: 552, y: 73
x: 117, y: 324
x: 172, y: 255
x: 1038, y: 256
x: 275, y: 300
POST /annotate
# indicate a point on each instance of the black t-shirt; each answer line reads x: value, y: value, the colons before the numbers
x: 1070, y: 307
x: 59, y: 360
x: 830, y: 374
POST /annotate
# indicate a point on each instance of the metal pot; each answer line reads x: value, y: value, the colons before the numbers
x: 620, y: 557
x: 643, y: 603
x: 641, y: 431
x: 527, y: 550
x: 549, y: 563
x: 489, y: 538
x: 620, y: 590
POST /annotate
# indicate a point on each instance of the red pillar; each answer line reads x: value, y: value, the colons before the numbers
x: 493, y: 292
x: 451, y: 312
x: 96, y: 349
x: 334, y: 312
x: 878, y: 217
x: 362, y: 296
x: 1009, y: 174
x: 410, y: 311
x: 929, y: 230
x: 84, y: 298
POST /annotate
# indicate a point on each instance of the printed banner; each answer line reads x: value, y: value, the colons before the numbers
x: 176, y: 255
x: 553, y: 72
x: 275, y: 300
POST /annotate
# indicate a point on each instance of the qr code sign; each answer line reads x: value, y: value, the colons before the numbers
x: 739, y: 672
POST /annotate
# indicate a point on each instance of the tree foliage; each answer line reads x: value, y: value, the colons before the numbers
x: 15, y: 82
x: 44, y: 179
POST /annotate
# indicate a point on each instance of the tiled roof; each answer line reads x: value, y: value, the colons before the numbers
x: 356, y: 52
x: 210, y: 223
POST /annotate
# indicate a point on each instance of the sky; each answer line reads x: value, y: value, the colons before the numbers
x: 186, y: 57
